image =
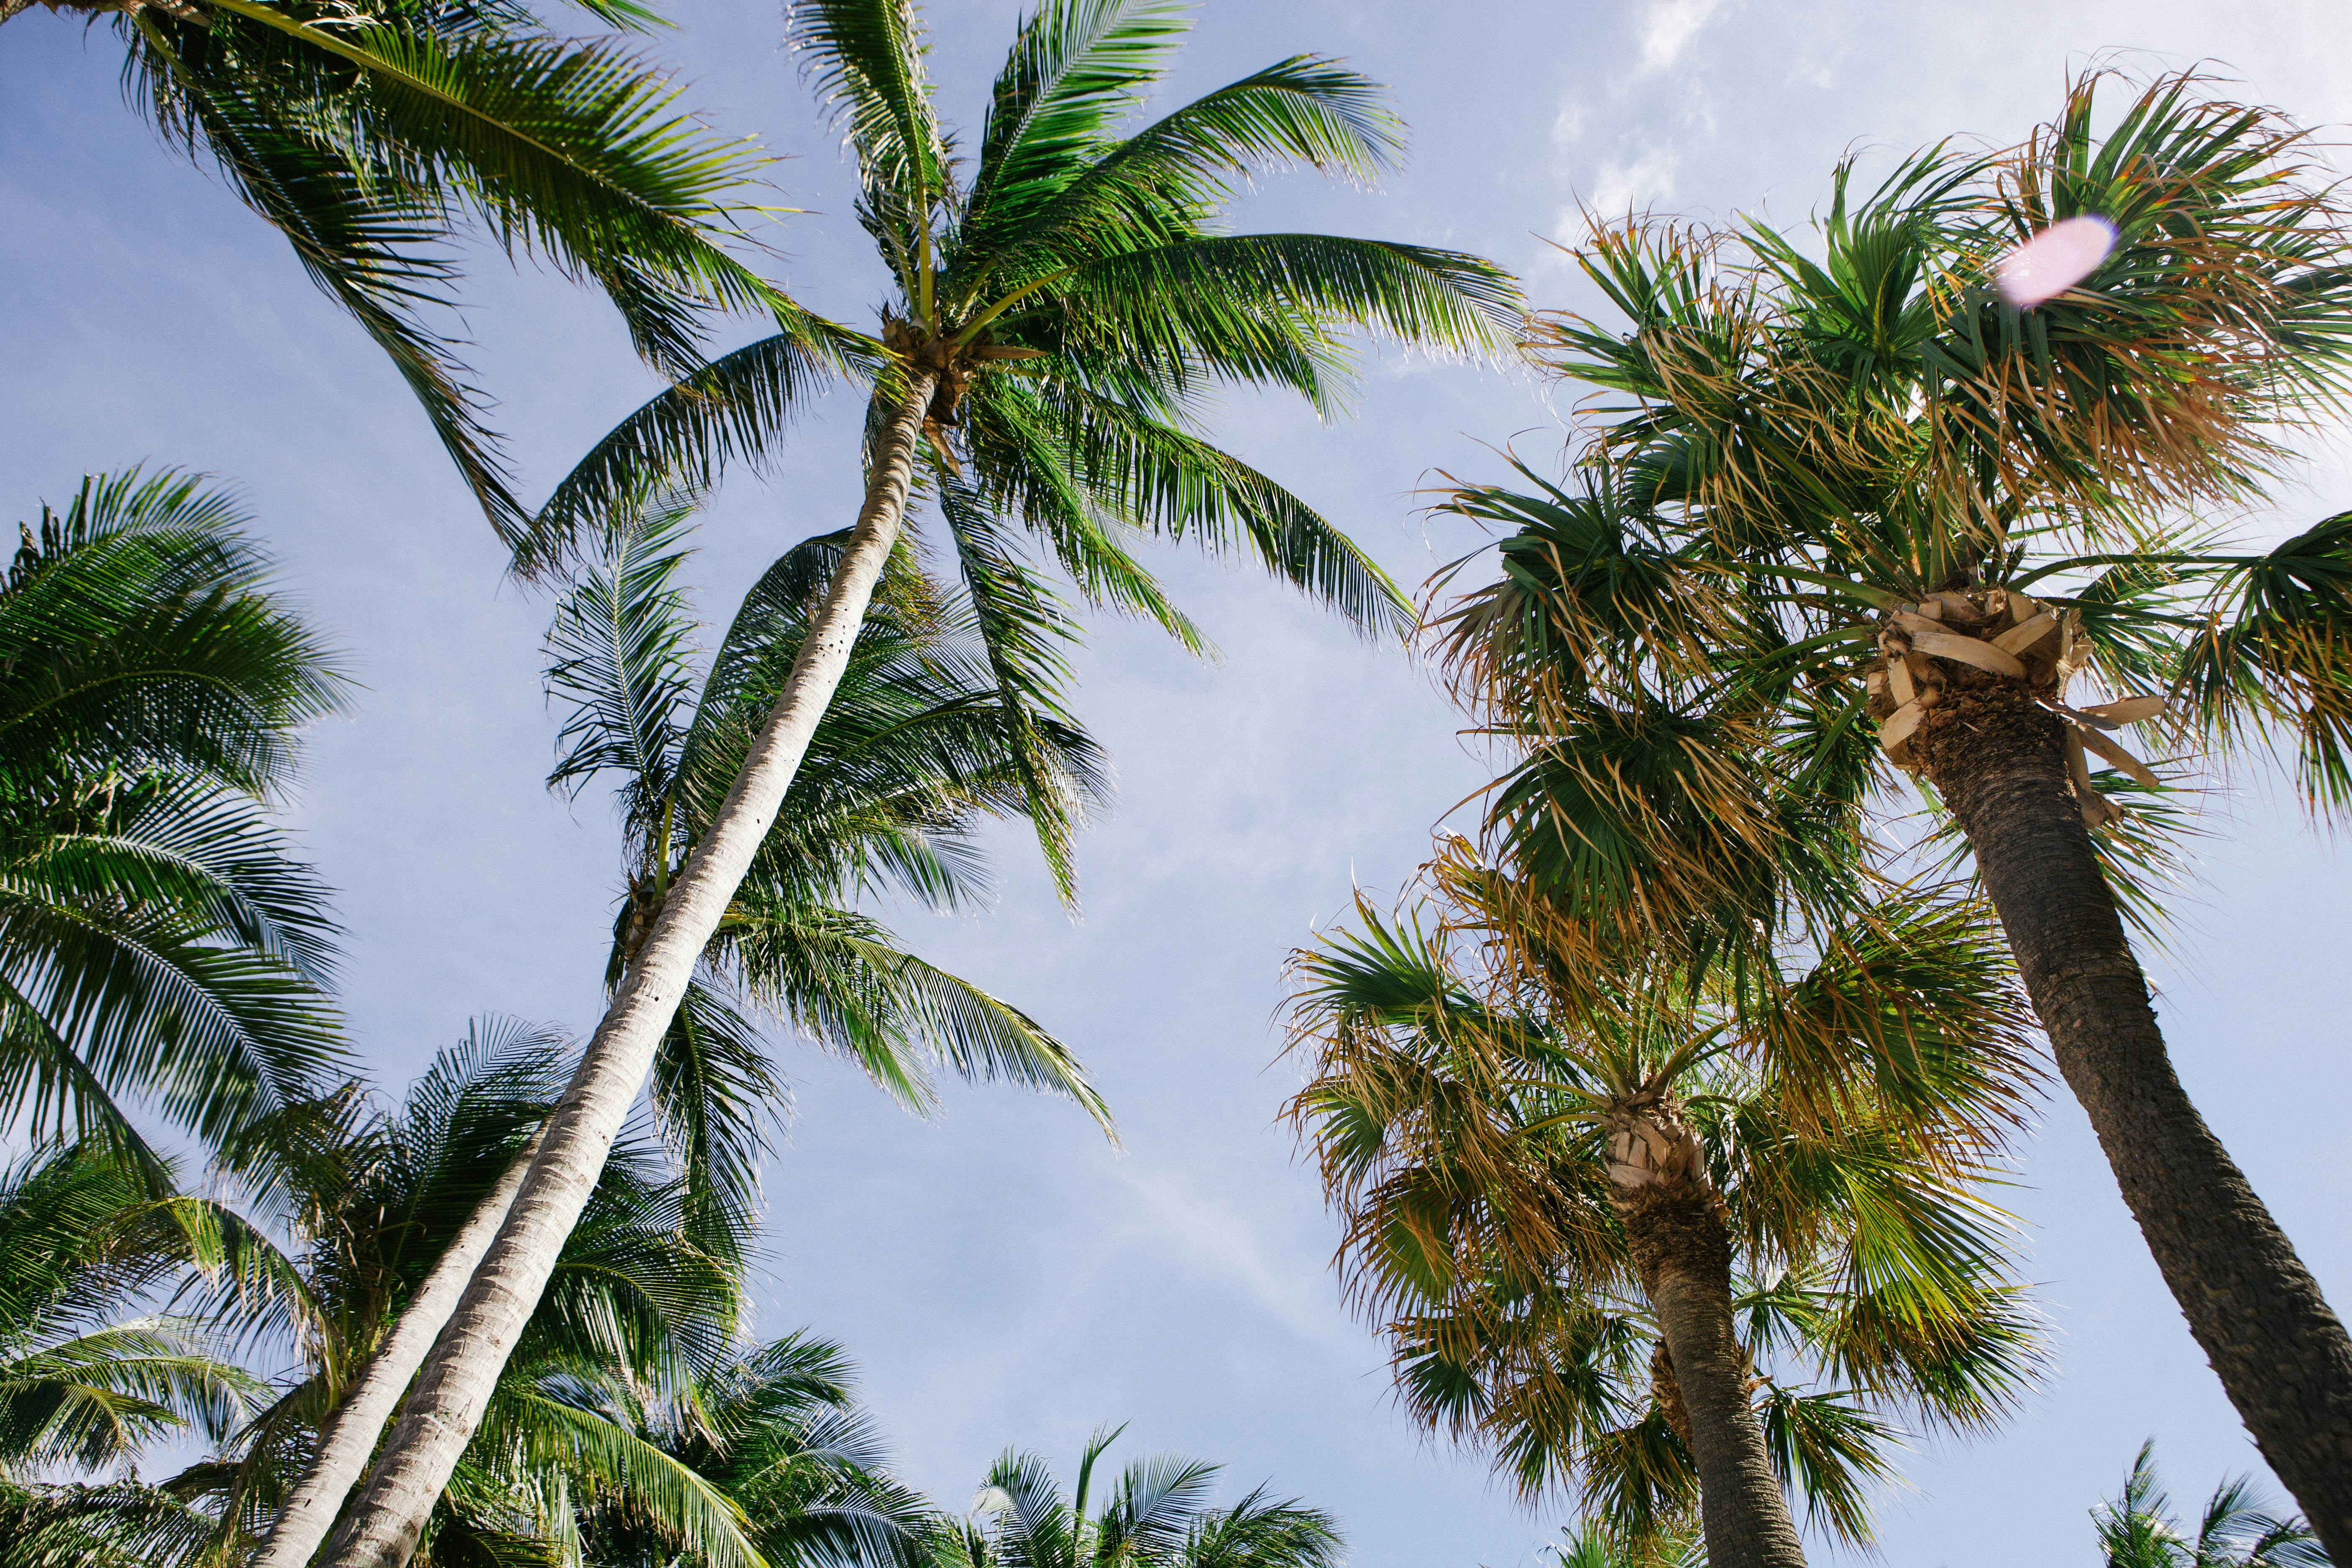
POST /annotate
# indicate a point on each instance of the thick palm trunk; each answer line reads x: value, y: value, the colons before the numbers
x: 1682, y: 1251
x: 383, y: 1526
x: 348, y: 1434
x: 2282, y: 1356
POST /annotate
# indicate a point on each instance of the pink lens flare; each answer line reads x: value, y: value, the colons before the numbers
x: 2055, y: 259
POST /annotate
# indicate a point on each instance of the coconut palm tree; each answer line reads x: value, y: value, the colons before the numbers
x: 370, y: 134
x: 777, y: 1433
x: 1057, y: 319
x: 1612, y: 1232
x: 911, y: 757
x: 81, y: 1388
x: 1157, y: 1515
x: 635, y: 1311
x: 157, y: 938
x: 2137, y: 1531
x: 1861, y: 517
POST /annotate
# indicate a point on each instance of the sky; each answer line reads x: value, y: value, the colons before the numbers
x: 1001, y: 1275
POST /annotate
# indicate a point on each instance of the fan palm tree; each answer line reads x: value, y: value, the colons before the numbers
x: 1611, y: 1234
x: 156, y: 936
x: 911, y: 756
x: 1858, y: 518
x: 777, y: 1432
x: 370, y: 134
x: 635, y: 1311
x: 2136, y: 1530
x: 1156, y: 1516
x: 1058, y: 320
x: 77, y: 1388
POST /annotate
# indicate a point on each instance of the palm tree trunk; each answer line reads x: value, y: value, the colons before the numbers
x: 2000, y: 762
x: 1682, y: 1252
x: 348, y: 1434
x: 383, y: 1526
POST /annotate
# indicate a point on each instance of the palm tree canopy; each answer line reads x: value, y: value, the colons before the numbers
x: 635, y: 1311
x: 1073, y: 290
x: 2233, y: 1531
x: 778, y: 1432
x: 80, y: 1387
x: 1465, y: 1113
x: 369, y: 135
x: 1808, y: 463
x: 157, y: 936
x: 1156, y: 1514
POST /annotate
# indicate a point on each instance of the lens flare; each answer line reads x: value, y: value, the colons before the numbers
x: 2055, y: 259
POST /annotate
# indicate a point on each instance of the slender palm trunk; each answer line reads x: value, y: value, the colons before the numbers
x: 348, y: 1434
x: 383, y: 1526
x: 2282, y: 1356
x: 1682, y: 1251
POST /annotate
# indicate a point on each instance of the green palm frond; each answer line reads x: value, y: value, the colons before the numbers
x: 1155, y: 184
x: 735, y: 408
x: 136, y: 628
x: 1075, y: 68
x: 620, y: 648
x: 367, y: 140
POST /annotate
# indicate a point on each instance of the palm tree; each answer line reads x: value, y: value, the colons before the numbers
x: 777, y: 1432
x: 1057, y: 320
x: 1587, y: 1545
x: 1867, y: 494
x: 156, y: 936
x: 2136, y: 1530
x: 1156, y: 1516
x: 635, y: 1311
x: 911, y: 755
x: 1612, y: 1233
x: 370, y: 134
x: 77, y: 1388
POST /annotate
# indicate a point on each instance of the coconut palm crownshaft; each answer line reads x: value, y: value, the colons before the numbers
x: 1056, y: 318
x: 1860, y: 515
x: 371, y: 134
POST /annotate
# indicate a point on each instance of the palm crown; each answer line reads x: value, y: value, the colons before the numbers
x: 1489, y: 1137
x: 1842, y: 488
x: 157, y: 938
x: 1156, y: 1513
x: 1072, y: 303
x: 635, y: 1312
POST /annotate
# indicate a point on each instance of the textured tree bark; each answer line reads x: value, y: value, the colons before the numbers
x: 1682, y: 1251
x: 2282, y: 1356
x: 348, y: 1434
x: 382, y: 1528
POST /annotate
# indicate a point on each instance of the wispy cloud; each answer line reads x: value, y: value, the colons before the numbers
x: 1211, y: 1237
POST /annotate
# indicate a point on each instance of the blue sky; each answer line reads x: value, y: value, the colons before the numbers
x: 999, y: 1274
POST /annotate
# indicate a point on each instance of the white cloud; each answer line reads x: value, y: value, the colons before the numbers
x: 1667, y: 28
